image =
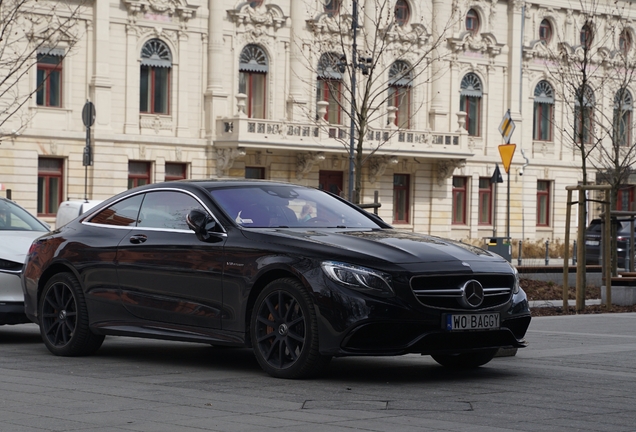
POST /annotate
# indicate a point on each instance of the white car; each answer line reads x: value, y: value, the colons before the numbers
x: 18, y: 229
x: 69, y: 210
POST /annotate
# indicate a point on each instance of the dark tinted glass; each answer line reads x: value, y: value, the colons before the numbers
x: 167, y: 210
x: 122, y: 213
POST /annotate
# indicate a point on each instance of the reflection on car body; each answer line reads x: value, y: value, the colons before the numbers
x: 233, y: 262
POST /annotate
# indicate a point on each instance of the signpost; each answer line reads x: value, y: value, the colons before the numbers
x: 507, y: 151
x: 88, y: 118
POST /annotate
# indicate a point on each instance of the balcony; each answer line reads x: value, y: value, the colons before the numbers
x: 259, y: 133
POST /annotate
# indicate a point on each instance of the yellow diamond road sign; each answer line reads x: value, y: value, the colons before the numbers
x: 507, y: 151
x: 507, y: 127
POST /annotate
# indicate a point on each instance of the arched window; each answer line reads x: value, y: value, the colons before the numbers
x: 329, y: 87
x: 545, y: 31
x: 584, y: 102
x: 586, y: 36
x: 253, y: 67
x: 470, y: 102
x: 402, y: 12
x: 543, y: 111
x: 332, y: 7
x: 256, y: 3
x: 624, y: 42
x: 154, y: 88
x: 472, y: 21
x: 400, y: 85
x: 623, y: 107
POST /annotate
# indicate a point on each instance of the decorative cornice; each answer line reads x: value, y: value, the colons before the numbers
x: 378, y: 165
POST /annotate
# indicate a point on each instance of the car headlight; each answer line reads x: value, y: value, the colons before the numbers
x: 516, y: 287
x: 359, y: 278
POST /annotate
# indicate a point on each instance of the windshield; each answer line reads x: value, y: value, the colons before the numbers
x: 15, y: 218
x: 284, y: 206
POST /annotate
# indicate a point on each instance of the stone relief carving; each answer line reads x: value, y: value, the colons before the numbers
x: 157, y: 123
x: 378, y: 165
x: 179, y: 8
x: 305, y: 162
x: 257, y: 21
x: 225, y: 158
x: 445, y: 168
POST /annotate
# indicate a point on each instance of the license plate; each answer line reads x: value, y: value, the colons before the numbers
x: 591, y: 242
x: 472, y: 322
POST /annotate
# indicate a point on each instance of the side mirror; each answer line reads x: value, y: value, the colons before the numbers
x: 202, y: 224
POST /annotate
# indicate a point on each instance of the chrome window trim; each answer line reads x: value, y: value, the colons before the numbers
x: 167, y: 189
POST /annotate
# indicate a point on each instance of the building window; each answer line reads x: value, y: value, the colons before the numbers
x: 154, y: 87
x: 472, y: 21
x: 584, y: 115
x: 329, y: 87
x: 543, y: 203
x: 545, y: 31
x: 470, y: 103
x: 255, y: 173
x: 256, y: 3
x: 543, y: 112
x: 623, y: 107
x: 49, y: 79
x: 50, y: 185
x: 400, y: 85
x: 625, y: 199
x: 485, y: 201
x: 332, y: 7
x: 138, y: 174
x: 401, y: 198
x: 402, y: 12
x: 624, y: 42
x: 459, y: 200
x: 175, y: 171
x: 253, y: 68
x: 586, y: 36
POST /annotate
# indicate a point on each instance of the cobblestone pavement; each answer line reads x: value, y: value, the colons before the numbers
x: 578, y: 374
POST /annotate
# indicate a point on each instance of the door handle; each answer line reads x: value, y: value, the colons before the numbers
x: 138, y: 239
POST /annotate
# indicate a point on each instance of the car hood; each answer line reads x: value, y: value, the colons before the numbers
x: 16, y: 244
x: 388, y: 245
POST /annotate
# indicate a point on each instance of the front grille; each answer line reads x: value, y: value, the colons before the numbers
x: 445, y: 291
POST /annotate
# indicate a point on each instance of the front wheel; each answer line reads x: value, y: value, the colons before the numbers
x: 64, y: 318
x: 284, y: 331
x: 469, y: 360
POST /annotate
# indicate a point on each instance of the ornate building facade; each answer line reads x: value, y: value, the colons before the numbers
x: 226, y: 88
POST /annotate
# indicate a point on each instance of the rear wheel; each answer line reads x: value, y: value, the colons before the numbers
x: 468, y: 360
x: 284, y: 331
x: 64, y: 318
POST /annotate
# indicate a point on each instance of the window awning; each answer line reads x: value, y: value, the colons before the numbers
x: 51, y: 51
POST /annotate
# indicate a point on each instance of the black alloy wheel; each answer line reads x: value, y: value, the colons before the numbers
x: 64, y: 318
x: 284, y: 331
x: 469, y: 360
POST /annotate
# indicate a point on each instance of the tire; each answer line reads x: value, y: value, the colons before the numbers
x: 470, y: 360
x: 64, y: 318
x: 286, y: 344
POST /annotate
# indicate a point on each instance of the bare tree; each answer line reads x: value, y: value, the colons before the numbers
x: 364, y: 68
x: 27, y: 28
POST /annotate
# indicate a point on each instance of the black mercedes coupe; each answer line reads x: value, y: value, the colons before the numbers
x: 295, y: 273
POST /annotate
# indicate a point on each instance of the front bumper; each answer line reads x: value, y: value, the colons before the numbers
x: 351, y: 323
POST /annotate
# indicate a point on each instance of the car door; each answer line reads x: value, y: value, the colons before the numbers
x: 165, y: 272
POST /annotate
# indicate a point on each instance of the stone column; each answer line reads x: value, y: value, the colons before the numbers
x: 183, y: 73
x: 133, y: 56
x: 100, y: 83
x: 297, y: 103
x: 215, y: 94
x: 438, y: 114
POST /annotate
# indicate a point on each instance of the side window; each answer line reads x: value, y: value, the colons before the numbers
x: 167, y: 210
x: 122, y: 213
